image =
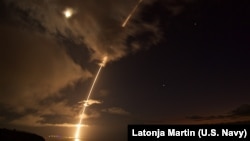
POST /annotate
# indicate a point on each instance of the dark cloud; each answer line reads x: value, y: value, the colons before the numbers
x: 197, y: 117
x: 242, y: 111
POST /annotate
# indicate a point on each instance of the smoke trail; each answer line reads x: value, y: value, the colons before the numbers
x: 130, y: 14
x: 85, y: 104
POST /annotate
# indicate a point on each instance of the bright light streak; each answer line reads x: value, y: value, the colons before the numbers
x: 131, y: 14
x: 85, y: 104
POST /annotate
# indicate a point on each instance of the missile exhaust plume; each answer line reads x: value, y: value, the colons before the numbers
x: 131, y: 14
x: 85, y: 104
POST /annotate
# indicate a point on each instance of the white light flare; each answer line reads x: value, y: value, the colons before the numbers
x: 131, y: 13
x: 85, y: 104
x: 68, y: 12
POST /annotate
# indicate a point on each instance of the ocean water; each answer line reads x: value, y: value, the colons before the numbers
x: 68, y: 139
x: 64, y: 139
x: 86, y: 139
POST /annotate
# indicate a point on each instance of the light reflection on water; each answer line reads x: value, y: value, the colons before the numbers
x: 63, y: 139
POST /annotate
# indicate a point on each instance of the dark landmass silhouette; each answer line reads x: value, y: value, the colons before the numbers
x: 15, y: 135
x: 246, y: 122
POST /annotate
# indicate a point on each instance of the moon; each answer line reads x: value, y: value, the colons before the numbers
x: 68, y: 12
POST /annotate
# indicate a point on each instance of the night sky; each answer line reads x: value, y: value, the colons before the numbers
x: 175, y: 62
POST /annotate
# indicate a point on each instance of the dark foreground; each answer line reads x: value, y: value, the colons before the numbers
x: 14, y: 135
